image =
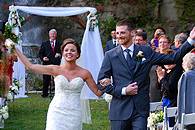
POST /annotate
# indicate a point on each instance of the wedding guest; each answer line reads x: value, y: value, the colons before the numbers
x: 186, y: 88
x: 64, y: 111
x: 111, y: 43
x: 141, y: 38
x: 157, y: 33
x: 155, y: 91
x: 168, y: 77
x: 129, y: 108
x: 49, y: 54
x: 179, y: 40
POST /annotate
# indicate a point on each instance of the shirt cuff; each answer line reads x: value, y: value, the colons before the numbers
x: 124, y: 91
x: 191, y: 41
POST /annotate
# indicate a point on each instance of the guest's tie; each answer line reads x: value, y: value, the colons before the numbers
x: 53, y: 46
x: 129, y: 59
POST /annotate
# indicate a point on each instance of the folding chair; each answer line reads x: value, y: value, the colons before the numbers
x: 187, y: 119
x: 154, y: 106
x: 168, y: 112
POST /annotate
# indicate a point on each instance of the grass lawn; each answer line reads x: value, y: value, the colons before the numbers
x: 30, y: 114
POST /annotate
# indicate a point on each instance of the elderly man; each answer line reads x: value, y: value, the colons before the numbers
x: 50, y: 53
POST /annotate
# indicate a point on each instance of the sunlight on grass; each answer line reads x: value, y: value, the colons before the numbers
x: 30, y: 114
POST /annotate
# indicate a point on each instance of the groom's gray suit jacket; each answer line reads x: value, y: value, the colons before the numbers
x: 115, y: 65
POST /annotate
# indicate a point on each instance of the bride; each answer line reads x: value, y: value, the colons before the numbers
x: 64, y: 111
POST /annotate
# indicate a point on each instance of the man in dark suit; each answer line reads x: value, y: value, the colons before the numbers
x: 50, y: 53
x: 130, y: 69
x: 111, y: 43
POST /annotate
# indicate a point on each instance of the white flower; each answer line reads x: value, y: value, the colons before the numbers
x: 4, y: 113
x: 108, y: 98
x: 140, y: 53
x: 140, y: 56
x: 10, y: 97
x: 15, y: 89
x: 12, y: 8
x: 155, y: 118
x: 9, y: 43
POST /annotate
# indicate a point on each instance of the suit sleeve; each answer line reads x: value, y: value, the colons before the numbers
x: 106, y: 72
x: 161, y: 59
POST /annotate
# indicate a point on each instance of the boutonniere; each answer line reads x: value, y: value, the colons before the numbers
x: 140, y: 56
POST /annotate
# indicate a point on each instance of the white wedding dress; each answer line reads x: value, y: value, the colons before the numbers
x: 64, y: 111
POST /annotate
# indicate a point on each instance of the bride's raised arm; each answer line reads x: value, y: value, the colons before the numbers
x: 36, y: 68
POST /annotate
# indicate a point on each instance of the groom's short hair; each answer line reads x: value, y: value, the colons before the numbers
x: 125, y: 22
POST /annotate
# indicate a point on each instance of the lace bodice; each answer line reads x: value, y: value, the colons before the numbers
x: 62, y: 85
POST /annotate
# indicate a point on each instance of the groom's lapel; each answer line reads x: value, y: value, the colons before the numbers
x: 136, y: 50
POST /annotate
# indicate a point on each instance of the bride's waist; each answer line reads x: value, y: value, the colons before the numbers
x: 65, y: 93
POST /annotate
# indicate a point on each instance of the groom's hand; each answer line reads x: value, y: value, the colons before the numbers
x: 192, y: 34
x: 105, y: 82
x: 132, y: 89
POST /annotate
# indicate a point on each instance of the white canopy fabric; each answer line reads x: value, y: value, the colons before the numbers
x: 19, y: 74
x: 91, y: 48
x: 54, y: 11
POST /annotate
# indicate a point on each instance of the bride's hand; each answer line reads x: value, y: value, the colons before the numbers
x: 105, y: 82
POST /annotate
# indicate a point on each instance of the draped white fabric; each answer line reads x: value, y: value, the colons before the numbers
x: 55, y: 11
x: 19, y: 74
x: 91, y: 57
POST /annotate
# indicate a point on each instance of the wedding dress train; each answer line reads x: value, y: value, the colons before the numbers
x: 64, y: 111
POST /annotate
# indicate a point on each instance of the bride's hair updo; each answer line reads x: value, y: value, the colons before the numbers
x: 71, y: 41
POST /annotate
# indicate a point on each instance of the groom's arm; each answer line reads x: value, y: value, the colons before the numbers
x: 106, y: 72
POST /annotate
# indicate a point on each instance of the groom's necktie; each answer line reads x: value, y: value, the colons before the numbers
x: 129, y: 59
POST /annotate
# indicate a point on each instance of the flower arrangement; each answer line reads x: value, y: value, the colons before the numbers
x: 93, y: 22
x: 11, y: 31
x: 140, y: 56
x: 14, y: 90
x: 4, y: 113
x: 155, y: 118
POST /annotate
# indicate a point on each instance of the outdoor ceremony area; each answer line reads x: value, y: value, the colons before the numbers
x: 97, y: 65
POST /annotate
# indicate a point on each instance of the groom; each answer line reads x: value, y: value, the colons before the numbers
x: 129, y: 107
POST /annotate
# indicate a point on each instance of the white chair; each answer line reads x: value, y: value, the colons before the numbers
x: 187, y: 119
x: 155, y: 106
x: 168, y: 112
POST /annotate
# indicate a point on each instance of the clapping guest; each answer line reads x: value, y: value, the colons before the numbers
x: 168, y: 77
x: 186, y: 88
x: 50, y: 54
